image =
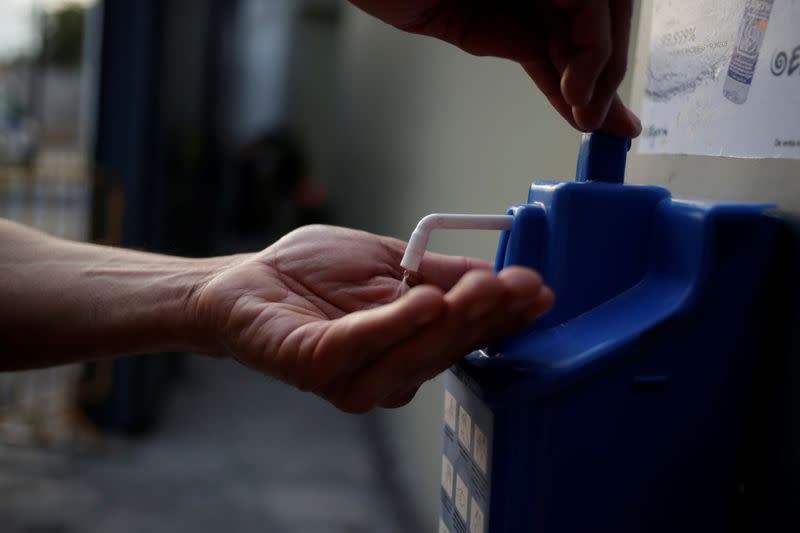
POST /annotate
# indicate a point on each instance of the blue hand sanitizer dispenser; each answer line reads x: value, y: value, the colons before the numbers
x: 622, y: 409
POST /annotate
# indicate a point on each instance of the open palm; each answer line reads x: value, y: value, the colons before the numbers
x: 319, y: 310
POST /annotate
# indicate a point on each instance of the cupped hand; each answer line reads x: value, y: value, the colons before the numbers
x: 319, y: 310
x: 576, y: 51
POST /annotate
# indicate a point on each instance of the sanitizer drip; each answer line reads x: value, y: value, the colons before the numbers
x: 409, y: 280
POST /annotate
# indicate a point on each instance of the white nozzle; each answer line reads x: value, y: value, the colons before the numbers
x: 419, y: 239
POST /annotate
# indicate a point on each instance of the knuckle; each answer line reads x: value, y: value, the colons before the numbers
x: 427, y: 291
x: 477, y: 276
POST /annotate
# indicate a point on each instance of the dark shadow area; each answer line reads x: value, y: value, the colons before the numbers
x: 769, y: 489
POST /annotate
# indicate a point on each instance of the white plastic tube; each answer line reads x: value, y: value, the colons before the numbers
x: 419, y: 239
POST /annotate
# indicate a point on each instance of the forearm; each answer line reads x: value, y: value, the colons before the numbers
x: 63, y: 301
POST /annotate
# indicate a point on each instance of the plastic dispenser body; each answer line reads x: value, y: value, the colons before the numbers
x: 622, y: 409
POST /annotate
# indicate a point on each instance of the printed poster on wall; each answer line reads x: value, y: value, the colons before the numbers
x: 723, y: 79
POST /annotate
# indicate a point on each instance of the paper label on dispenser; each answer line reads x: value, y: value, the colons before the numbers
x: 723, y: 78
x: 466, y: 461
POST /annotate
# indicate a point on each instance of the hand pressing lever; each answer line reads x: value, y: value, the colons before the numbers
x: 576, y: 51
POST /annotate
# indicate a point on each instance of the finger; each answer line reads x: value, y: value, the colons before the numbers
x: 401, y: 399
x: 444, y: 271
x: 541, y: 304
x: 496, y: 325
x: 546, y: 77
x: 528, y: 300
x: 481, y: 308
x: 352, y: 341
x: 474, y: 295
x: 559, y: 49
x: 590, y: 40
x: 477, y: 293
x: 523, y: 298
x: 546, y: 72
x: 523, y: 283
x: 621, y: 121
x: 593, y: 115
x: 420, y: 367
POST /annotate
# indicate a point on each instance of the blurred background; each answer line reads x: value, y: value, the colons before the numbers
x: 199, y: 127
x: 203, y: 127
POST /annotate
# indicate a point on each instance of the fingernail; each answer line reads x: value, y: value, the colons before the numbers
x: 581, y: 121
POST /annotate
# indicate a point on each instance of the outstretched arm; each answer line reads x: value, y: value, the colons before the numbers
x: 63, y: 301
x: 318, y: 309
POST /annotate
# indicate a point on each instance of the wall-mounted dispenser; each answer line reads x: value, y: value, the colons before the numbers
x: 622, y: 409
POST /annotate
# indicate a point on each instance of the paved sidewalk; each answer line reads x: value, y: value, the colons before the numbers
x: 234, y: 453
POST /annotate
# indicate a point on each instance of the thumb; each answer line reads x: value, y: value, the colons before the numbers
x: 355, y: 340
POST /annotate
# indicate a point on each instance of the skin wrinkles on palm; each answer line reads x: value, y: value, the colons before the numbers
x: 342, y: 284
x: 319, y: 291
x: 331, y: 325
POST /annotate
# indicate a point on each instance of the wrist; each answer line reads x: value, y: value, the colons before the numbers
x: 147, y: 303
x: 64, y: 301
x: 200, y: 318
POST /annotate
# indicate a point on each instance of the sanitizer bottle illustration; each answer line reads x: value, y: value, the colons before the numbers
x: 745, y: 53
